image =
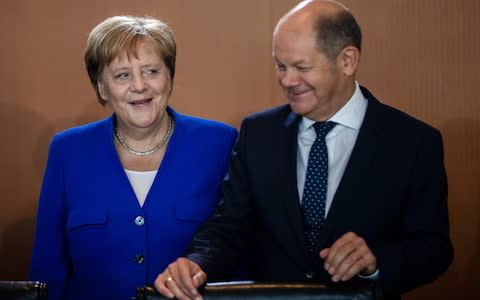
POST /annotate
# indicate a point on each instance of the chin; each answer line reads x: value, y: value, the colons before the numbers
x: 142, y: 123
x: 300, y: 108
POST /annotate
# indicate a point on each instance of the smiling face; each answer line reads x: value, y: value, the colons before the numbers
x: 314, y: 85
x: 137, y: 87
x: 310, y: 81
x: 315, y: 58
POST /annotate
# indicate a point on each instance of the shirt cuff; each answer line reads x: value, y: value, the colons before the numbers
x: 374, y: 276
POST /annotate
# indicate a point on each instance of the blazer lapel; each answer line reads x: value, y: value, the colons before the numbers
x: 291, y: 201
x: 358, y: 165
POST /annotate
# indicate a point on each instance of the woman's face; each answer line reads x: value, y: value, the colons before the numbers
x: 137, y: 87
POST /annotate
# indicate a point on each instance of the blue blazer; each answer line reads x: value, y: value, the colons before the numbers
x: 393, y: 193
x: 93, y: 240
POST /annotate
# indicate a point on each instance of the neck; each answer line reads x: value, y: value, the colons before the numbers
x: 144, y: 141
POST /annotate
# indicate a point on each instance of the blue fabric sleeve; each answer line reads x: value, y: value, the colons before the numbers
x: 50, y: 263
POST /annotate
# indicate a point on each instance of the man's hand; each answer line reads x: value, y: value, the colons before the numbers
x: 348, y: 256
x: 181, y: 280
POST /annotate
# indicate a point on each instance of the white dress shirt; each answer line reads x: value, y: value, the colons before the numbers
x: 340, y: 141
x: 141, y: 182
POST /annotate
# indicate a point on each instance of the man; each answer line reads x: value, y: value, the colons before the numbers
x: 380, y: 211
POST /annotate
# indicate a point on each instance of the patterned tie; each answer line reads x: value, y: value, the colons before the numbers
x: 315, y: 190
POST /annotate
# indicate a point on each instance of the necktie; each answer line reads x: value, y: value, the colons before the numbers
x: 315, y: 190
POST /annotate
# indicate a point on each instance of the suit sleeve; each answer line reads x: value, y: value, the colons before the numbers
x: 217, y: 245
x: 425, y: 250
x: 50, y: 263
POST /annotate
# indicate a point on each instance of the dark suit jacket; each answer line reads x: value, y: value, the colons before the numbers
x: 393, y: 194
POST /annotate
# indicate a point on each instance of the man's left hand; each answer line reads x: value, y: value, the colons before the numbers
x: 347, y: 257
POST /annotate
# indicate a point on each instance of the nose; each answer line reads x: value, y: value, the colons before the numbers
x: 138, y: 84
x: 288, y: 79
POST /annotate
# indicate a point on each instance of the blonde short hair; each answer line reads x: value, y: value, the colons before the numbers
x: 121, y: 33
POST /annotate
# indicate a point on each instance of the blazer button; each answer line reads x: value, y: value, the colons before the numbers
x: 309, y: 274
x: 139, y: 258
x: 139, y: 221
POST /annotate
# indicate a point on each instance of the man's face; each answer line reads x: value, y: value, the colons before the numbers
x: 312, y: 83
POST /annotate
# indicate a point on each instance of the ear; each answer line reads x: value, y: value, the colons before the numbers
x: 170, y: 85
x: 348, y: 60
x: 101, y: 90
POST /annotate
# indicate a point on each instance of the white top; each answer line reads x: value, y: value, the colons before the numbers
x: 340, y: 141
x: 141, y: 182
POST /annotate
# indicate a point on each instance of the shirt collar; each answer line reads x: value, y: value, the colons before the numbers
x: 350, y: 115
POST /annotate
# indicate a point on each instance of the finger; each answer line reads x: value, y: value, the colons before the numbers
x: 161, y: 287
x: 343, y: 254
x: 361, y: 264
x: 349, y: 266
x: 191, y: 277
x: 341, y: 242
x: 176, y: 270
x: 179, y: 294
x: 338, y: 251
x: 188, y: 276
x: 353, y: 257
x: 324, y: 253
x: 199, y: 278
x: 338, y: 244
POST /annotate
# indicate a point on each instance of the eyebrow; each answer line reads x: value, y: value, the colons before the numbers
x: 295, y: 63
x: 148, y: 65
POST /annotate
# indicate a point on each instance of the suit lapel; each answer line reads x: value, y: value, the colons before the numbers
x: 359, y: 164
x: 291, y: 201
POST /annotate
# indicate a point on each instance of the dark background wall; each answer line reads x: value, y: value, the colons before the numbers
x: 420, y: 56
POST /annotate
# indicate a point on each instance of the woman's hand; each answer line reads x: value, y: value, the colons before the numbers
x: 181, y: 280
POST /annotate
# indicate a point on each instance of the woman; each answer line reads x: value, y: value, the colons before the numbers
x: 122, y: 197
